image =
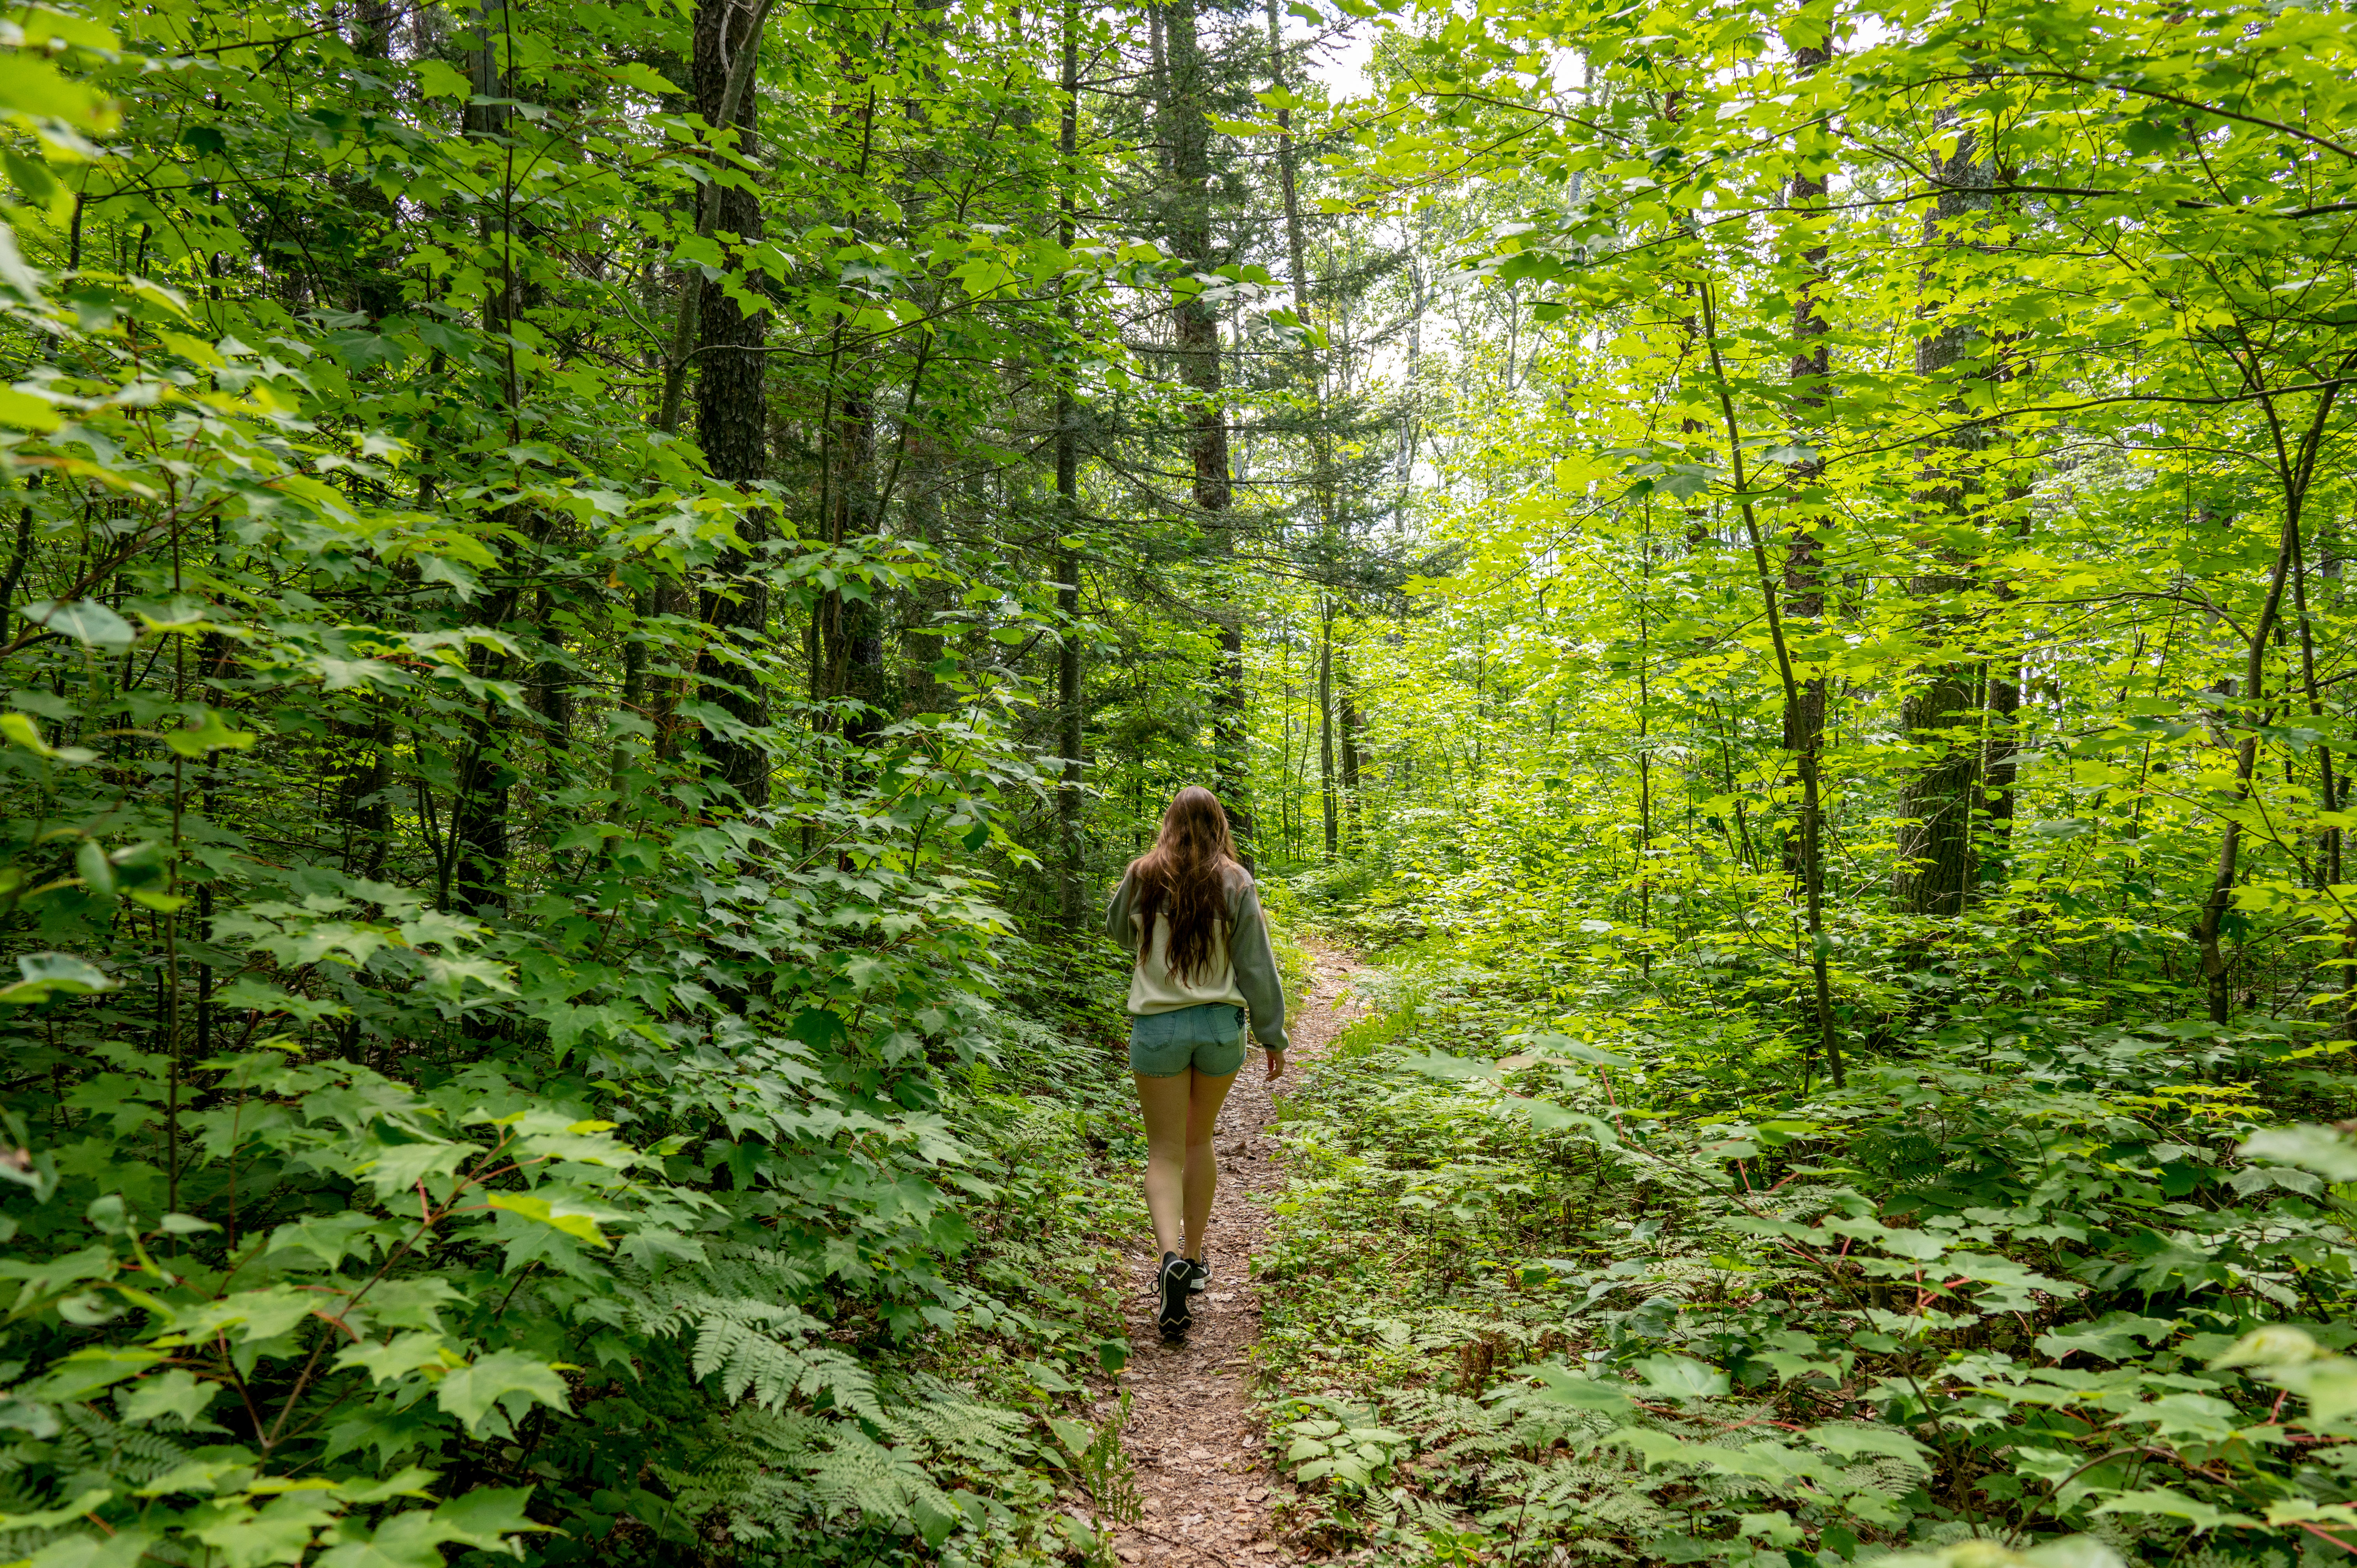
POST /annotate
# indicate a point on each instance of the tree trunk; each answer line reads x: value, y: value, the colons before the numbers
x: 1325, y: 796
x: 1067, y: 509
x: 479, y: 806
x: 1349, y: 717
x: 361, y: 804
x: 1804, y: 582
x: 1321, y: 475
x: 732, y: 417
x: 853, y: 627
x: 1186, y: 132
x: 1936, y: 805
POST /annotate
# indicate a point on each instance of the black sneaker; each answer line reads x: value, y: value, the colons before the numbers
x: 1199, y: 1274
x: 1175, y: 1313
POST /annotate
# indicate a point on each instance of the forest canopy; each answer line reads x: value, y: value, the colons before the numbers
x: 592, y: 596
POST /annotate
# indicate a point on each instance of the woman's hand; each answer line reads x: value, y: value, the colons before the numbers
x: 1275, y: 1065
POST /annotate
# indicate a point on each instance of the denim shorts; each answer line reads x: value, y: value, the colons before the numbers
x: 1209, y: 1038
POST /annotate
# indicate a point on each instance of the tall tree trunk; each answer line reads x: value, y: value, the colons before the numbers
x: 1805, y: 581
x: 853, y: 627
x: 1935, y: 805
x: 1327, y: 801
x: 1314, y: 391
x: 1187, y: 132
x: 732, y: 419
x: 361, y: 804
x: 478, y: 856
x: 2001, y: 751
x: 1067, y: 509
x: 1349, y: 719
x: 479, y: 805
x: 372, y: 23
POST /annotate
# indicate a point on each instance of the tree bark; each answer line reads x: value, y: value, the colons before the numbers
x: 853, y: 627
x: 732, y: 417
x: 1186, y: 132
x: 479, y: 806
x: 1321, y: 473
x: 1936, y: 805
x: 1804, y: 582
x: 1349, y: 718
x: 1074, y: 901
x: 1328, y: 803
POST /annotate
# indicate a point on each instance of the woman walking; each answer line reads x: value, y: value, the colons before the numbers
x: 1187, y: 910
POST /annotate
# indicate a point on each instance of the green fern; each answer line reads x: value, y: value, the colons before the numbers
x: 857, y: 1474
x: 941, y: 1413
x: 751, y: 1341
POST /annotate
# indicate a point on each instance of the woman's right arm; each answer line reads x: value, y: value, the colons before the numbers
x: 1117, y: 922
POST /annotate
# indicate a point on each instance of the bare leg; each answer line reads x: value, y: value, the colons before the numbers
x: 1202, y: 1164
x: 1165, y: 1101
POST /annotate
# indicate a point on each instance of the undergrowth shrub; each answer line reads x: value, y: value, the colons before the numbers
x: 1624, y: 1290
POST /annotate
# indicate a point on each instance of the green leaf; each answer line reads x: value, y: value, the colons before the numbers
x: 2330, y: 1154
x: 32, y: 88
x: 210, y: 735
x: 96, y: 871
x: 1681, y: 1378
x: 436, y: 79
x: 1850, y: 1441
x: 1567, y: 1388
x: 1546, y: 1116
x: 126, y: 1547
x: 23, y: 411
x: 176, y: 1393
x: 1078, y: 1437
x: 817, y: 1028
x: 531, y: 1205
x: 1440, y: 1063
x: 2072, y: 1552
x: 1577, y: 1050
x: 2328, y: 1383
x: 44, y: 974
x: 87, y: 621
x: 256, y: 1315
x: 280, y: 1531
x: 86, y: 1371
x: 486, y: 1517
x: 2171, y: 1504
x: 2112, y: 1337
x: 471, y: 1392
x: 399, y: 1355
x: 2273, y: 1345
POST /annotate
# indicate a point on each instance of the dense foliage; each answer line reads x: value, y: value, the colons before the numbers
x: 591, y: 591
x: 1866, y: 803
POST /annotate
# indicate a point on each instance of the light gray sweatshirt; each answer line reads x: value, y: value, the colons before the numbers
x: 1242, y: 971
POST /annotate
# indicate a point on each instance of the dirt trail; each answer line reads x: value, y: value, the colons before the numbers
x: 1190, y: 1433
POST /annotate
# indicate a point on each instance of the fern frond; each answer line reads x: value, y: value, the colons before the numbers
x: 859, y: 1474
x: 946, y: 1416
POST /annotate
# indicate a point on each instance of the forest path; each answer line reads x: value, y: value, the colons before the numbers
x: 1191, y: 1434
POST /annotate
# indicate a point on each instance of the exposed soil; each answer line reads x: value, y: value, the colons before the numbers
x: 1199, y: 1453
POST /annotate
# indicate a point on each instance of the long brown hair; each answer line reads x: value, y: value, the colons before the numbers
x: 1185, y: 877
